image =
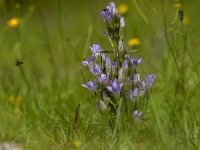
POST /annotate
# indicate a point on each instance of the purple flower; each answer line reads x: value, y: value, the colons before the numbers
x: 134, y: 61
x: 125, y: 64
x: 88, y: 62
x: 147, y: 82
x: 92, y: 86
x: 97, y: 51
x: 137, y: 115
x: 95, y: 71
x: 136, y: 78
x: 109, y: 13
x: 150, y: 79
x: 114, y: 65
x: 133, y: 94
x: 104, y: 78
x: 120, y: 74
x: 106, y: 33
x: 108, y: 63
x: 115, y: 87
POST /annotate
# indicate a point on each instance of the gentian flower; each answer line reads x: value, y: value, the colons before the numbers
x: 136, y: 78
x: 137, y: 115
x: 92, y: 86
x: 125, y: 64
x: 115, y: 87
x: 104, y: 78
x: 133, y: 94
x: 97, y: 70
x: 134, y: 61
x: 150, y: 79
x: 108, y: 63
x: 109, y: 13
x: 114, y: 65
x: 147, y: 82
x: 97, y: 51
x: 88, y: 62
x: 112, y: 73
x: 120, y: 74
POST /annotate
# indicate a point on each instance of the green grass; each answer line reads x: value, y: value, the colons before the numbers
x: 54, y: 39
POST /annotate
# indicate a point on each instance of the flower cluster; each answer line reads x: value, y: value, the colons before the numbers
x: 115, y: 77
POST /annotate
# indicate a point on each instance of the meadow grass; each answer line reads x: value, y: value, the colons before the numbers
x: 39, y: 98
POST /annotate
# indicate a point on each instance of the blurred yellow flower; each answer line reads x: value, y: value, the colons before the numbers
x: 17, y: 110
x: 77, y: 143
x: 123, y: 9
x: 18, y: 100
x: 177, y: 5
x: 11, y: 98
x: 13, y: 22
x: 134, y: 42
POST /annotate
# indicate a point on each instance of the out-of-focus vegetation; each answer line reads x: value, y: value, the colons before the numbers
x: 42, y: 44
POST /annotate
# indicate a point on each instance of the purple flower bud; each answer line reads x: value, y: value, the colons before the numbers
x: 120, y: 74
x: 92, y: 86
x: 125, y: 64
x: 101, y: 106
x: 96, y: 71
x: 114, y: 65
x: 136, y: 115
x: 108, y: 63
x: 88, y: 62
x: 136, y: 78
x: 134, y: 61
x: 115, y: 87
x: 120, y: 45
x: 133, y: 94
x: 122, y: 23
x: 106, y: 34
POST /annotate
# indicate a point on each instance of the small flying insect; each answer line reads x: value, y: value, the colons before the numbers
x: 19, y: 62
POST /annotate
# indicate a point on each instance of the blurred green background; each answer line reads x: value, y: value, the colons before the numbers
x: 38, y: 98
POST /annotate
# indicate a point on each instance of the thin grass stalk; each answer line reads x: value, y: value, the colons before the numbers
x: 48, y: 46
x: 167, y: 39
x: 59, y: 15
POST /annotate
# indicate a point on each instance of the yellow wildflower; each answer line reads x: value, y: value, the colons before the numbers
x: 177, y: 5
x: 11, y: 98
x: 77, y: 143
x: 13, y: 22
x: 17, y: 110
x: 134, y: 42
x: 18, y: 100
x: 123, y: 9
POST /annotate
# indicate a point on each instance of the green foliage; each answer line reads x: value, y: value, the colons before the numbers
x: 39, y: 98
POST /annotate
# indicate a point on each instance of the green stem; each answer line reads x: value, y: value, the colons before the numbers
x: 167, y: 39
x: 60, y: 25
x: 117, y: 120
